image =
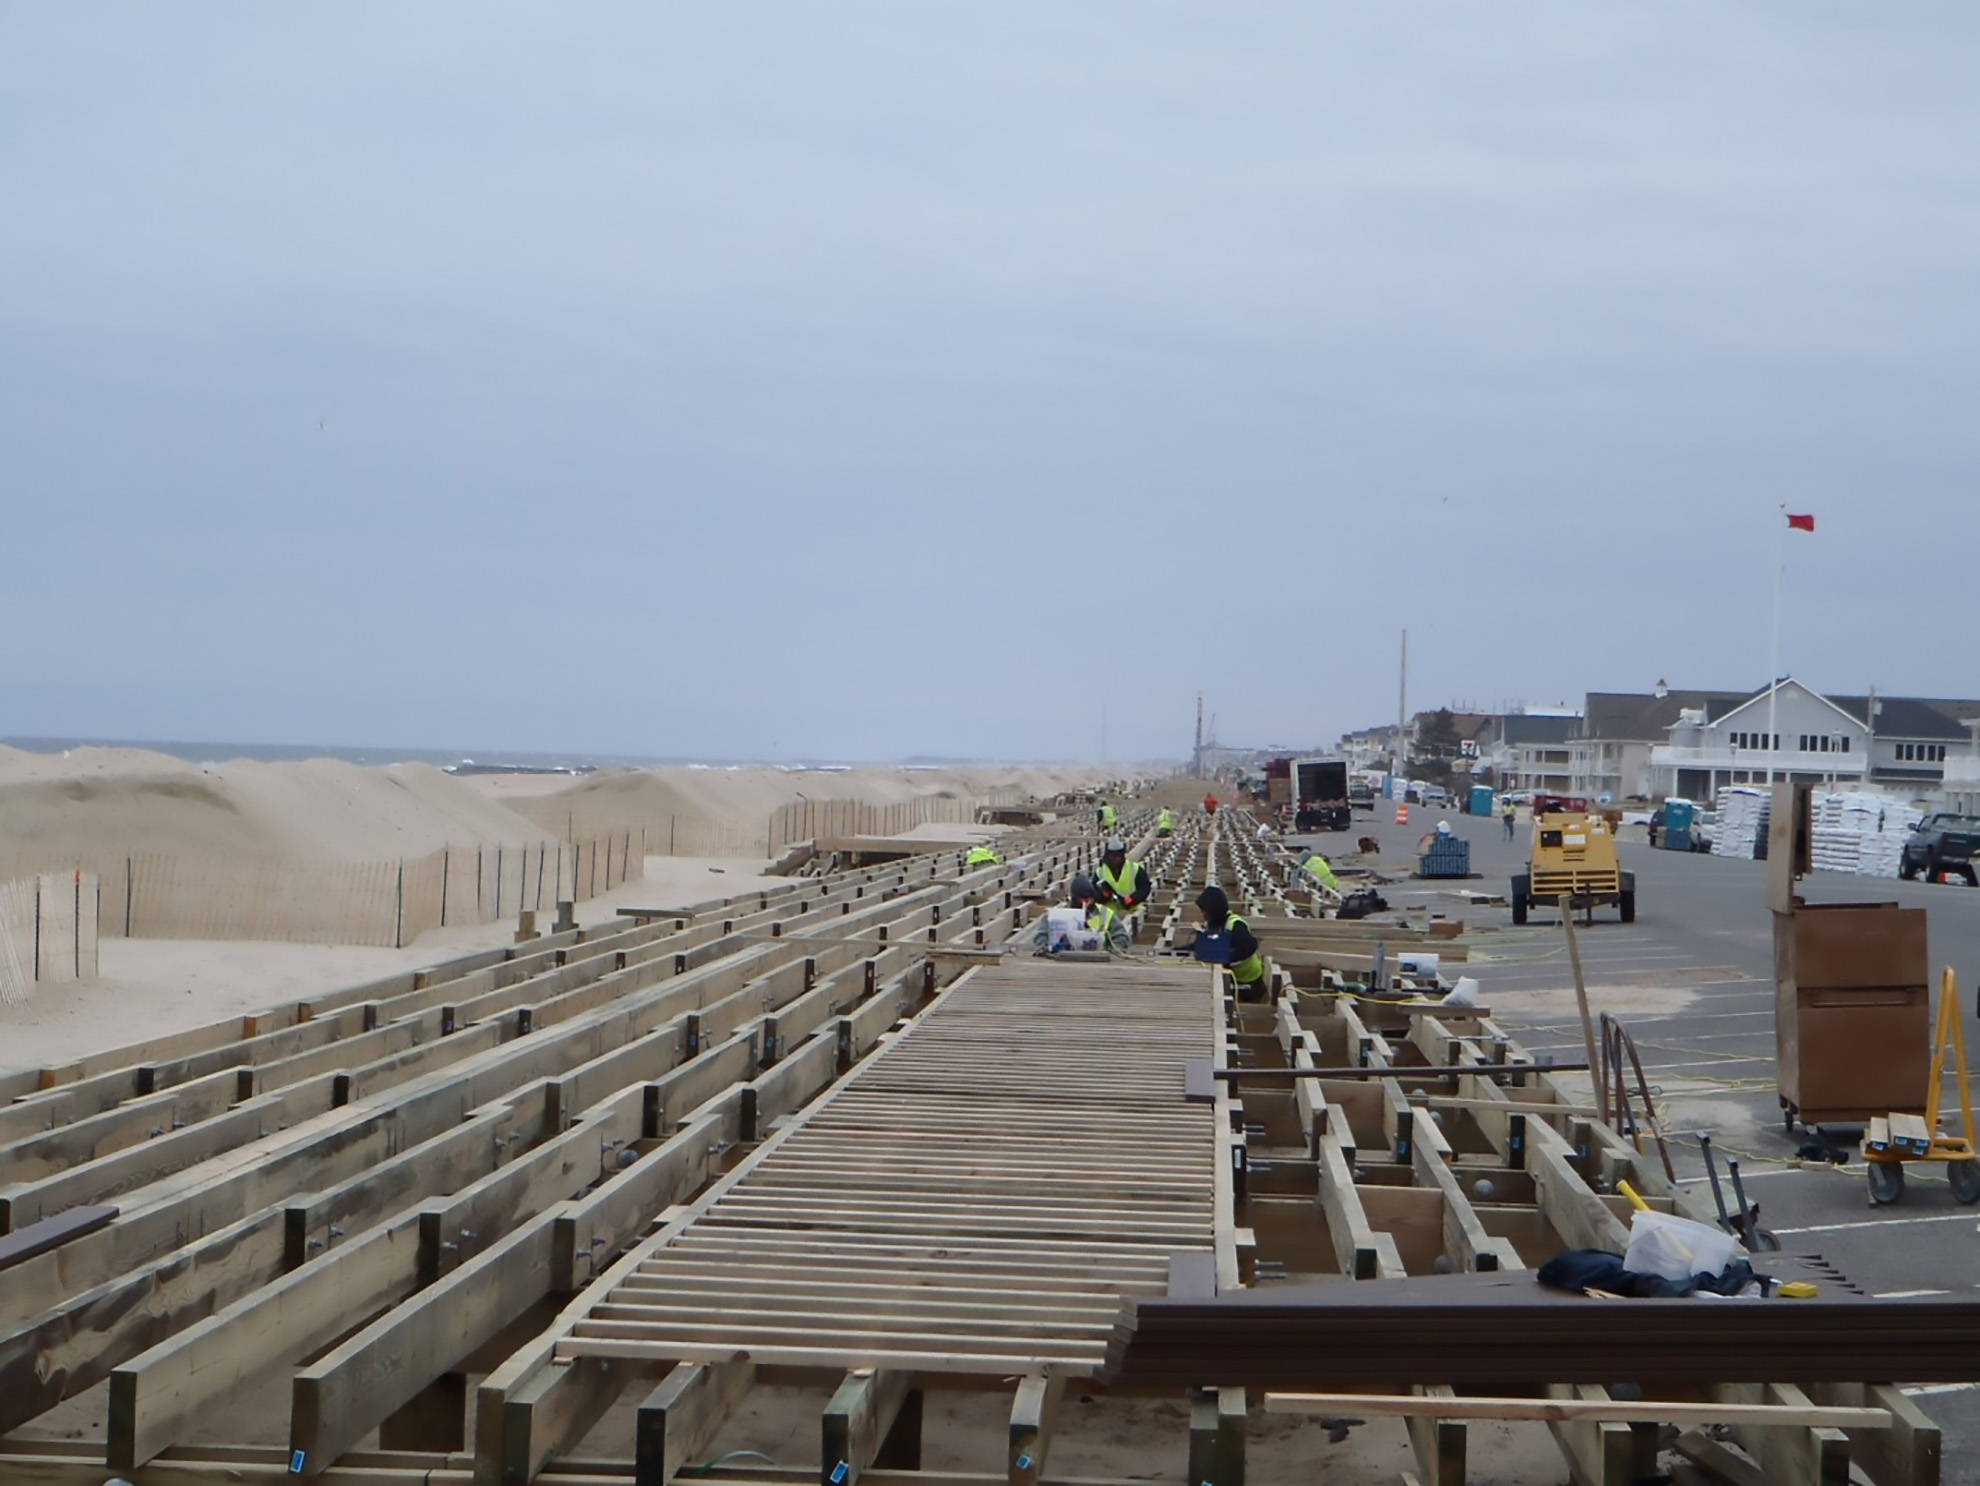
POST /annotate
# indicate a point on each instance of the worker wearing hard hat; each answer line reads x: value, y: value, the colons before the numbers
x: 1164, y: 823
x: 1226, y: 939
x: 1123, y: 884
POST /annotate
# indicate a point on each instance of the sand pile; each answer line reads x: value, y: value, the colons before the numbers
x: 744, y: 798
x: 92, y: 803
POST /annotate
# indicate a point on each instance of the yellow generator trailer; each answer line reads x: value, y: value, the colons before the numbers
x: 1573, y: 866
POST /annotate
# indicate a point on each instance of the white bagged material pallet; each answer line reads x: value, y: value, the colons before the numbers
x: 1859, y: 832
x: 1742, y: 830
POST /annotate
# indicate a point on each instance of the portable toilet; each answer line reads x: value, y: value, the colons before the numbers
x: 1481, y: 800
x: 1678, y: 817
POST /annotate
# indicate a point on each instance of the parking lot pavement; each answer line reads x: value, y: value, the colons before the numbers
x: 1692, y: 982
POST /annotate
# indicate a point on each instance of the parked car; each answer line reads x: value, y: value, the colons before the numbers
x: 1942, y: 843
x: 1704, y: 830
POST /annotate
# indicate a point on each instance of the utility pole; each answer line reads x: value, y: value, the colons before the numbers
x: 1402, y: 707
x: 1196, y: 754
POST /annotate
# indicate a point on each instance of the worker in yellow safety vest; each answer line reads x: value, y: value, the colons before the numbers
x: 1226, y: 939
x: 981, y: 856
x: 1123, y: 884
x: 1100, y: 918
x: 1107, y: 817
x: 1316, y: 867
x: 1164, y: 823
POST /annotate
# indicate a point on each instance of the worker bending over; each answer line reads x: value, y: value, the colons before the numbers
x: 1107, y: 816
x: 1123, y: 884
x: 981, y: 856
x: 1164, y: 823
x: 1226, y: 939
x: 1101, y: 919
x: 1317, y: 868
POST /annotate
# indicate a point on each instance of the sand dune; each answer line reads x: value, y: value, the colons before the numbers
x: 614, y: 800
x: 96, y: 802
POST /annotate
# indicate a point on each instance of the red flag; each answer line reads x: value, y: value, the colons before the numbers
x: 1802, y: 523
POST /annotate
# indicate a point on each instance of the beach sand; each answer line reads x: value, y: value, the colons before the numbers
x: 93, y: 805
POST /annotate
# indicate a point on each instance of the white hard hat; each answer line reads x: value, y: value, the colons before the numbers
x: 1444, y: 826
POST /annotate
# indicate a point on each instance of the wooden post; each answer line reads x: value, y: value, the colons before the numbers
x: 1580, y: 990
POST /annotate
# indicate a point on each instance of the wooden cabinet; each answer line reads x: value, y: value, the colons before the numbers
x: 1852, y: 1009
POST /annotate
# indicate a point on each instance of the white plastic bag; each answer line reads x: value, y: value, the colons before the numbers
x: 1464, y: 993
x: 1676, y: 1248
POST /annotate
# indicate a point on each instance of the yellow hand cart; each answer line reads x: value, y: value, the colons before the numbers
x: 1892, y: 1141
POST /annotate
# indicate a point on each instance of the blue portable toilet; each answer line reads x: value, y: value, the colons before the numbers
x: 1678, y: 818
x: 1481, y: 800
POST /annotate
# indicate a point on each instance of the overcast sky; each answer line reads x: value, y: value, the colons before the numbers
x: 868, y: 379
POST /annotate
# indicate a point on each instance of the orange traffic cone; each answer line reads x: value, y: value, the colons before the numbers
x: 1402, y: 813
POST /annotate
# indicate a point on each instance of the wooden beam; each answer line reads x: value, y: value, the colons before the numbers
x: 51, y: 1233
x: 350, y: 1391
x: 1906, y: 1454
x: 1815, y: 1452
x: 1602, y: 1452
x: 1216, y: 1438
x: 1034, y: 1410
x: 1440, y: 1444
x: 857, y: 1421
x: 1792, y: 1411
x: 681, y: 1417
x: 155, y: 1396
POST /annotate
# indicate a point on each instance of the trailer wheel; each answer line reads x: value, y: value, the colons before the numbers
x: 1629, y: 906
x: 1964, y: 1179
x: 1886, y: 1183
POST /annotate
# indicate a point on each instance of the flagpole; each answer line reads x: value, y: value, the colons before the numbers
x: 1774, y: 657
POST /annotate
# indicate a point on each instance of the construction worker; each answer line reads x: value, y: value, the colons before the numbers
x: 1107, y: 815
x: 1506, y: 811
x: 1164, y: 823
x: 1099, y: 918
x: 1226, y: 939
x: 1317, y: 868
x: 1123, y: 884
x: 980, y: 856
x: 1209, y: 804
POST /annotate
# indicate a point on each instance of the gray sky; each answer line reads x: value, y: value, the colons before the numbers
x: 865, y: 379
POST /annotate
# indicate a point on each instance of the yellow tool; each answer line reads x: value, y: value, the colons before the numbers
x: 1634, y: 1201
x: 1797, y: 1290
x: 1897, y: 1138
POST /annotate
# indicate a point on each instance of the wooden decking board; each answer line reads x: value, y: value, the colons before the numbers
x: 878, y: 1228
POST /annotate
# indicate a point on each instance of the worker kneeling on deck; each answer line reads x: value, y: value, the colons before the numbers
x: 1165, y: 823
x: 981, y: 856
x: 1060, y: 929
x: 1226, y: 939
x: 1317, y: 868
x: 1123, y: 884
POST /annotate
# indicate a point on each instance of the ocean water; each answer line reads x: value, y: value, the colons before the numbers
x: 490, y: 760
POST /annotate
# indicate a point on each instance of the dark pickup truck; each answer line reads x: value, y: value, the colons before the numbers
x: 1942, y: 843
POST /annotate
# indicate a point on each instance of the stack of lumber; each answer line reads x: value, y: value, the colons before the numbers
x: 1496, y: 1330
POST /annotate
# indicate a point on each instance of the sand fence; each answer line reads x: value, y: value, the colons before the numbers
x: 811, y: 820
x: 47, y: 931
x: 149, y: 895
